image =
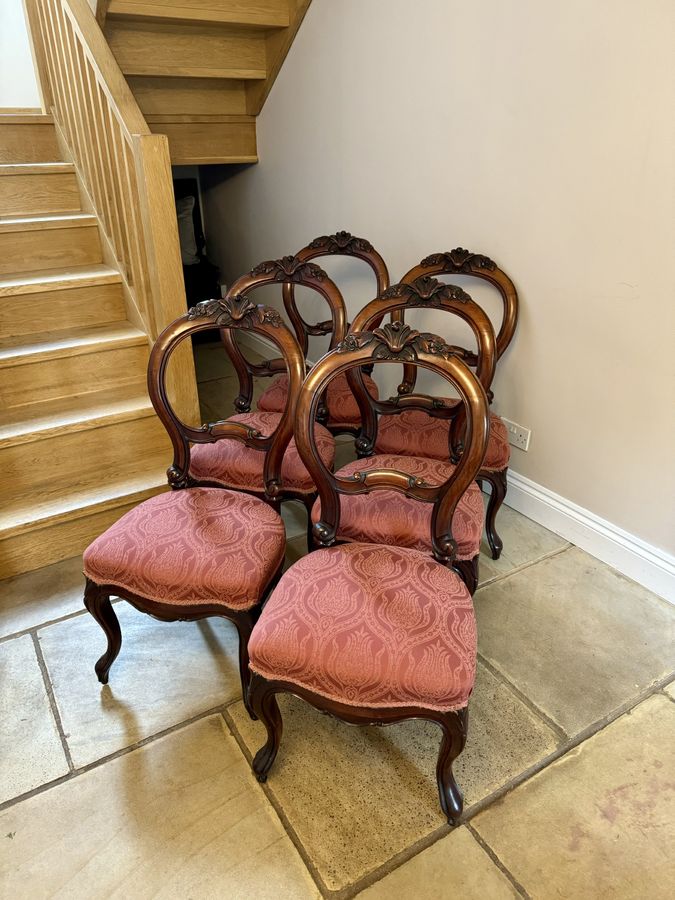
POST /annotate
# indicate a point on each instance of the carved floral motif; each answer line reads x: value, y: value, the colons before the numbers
x: 396, y: 340
x: 459, y: 260
x: 429, y: 290
x: 237, y: 310
x: 341, y: 242
x: 289, y: 268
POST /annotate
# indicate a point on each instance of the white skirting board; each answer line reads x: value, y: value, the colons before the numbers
x: 636, y: 559
x: 649, y: 566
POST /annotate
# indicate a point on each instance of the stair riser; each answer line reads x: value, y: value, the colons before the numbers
x: 53, y: 467
x: 32, y: 194
x: 75, y: 308
x: 261, y: 14
x: 49, y: 379
x: 43, y: 546
x: 53, y: 248
x: 28, y: 143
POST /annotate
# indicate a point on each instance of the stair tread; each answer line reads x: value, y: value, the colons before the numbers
x: 57, y: 279
x: 25, y: 423
x: 46, y: 221
x: 43, y: 168
x: 38, y: 118
x: 55, y: 343
x: 18, y: 516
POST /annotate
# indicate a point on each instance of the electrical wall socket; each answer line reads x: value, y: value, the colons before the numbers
x: 519, y: 436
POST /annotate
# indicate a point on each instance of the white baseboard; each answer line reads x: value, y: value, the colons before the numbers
x: 649, y: 566
x: 636, y: 559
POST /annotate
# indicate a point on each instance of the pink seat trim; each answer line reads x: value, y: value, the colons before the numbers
x: 193, y: 546
x: 342, y: 406
x: 370, y: 626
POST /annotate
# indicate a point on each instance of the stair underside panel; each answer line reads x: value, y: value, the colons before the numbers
x: 256, y: 13
x: 146, y: 48
x: 193, y: 96
x: 208, y: 139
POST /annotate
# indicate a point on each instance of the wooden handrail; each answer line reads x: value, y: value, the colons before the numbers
x: 124, y: 169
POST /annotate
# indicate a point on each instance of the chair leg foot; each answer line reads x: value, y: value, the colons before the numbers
x: 497, y: 481
x: 453, y: 726
x: 265, y: 706
x: 98, y: 604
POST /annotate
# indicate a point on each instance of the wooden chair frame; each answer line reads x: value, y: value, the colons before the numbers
x: 464, y: 262
x: 397, y: 343
x: 340, y: 244
x: 235, y: 311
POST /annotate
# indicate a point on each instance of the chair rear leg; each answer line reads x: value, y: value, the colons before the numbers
x: 264, y: 704
x: 497, y: 481
x: 454, y: 727
x: 97, y: 601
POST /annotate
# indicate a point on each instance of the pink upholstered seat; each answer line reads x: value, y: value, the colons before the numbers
x: 232, y: 464
x: 372, y: 626
x: 194, y: 546
x: 343, y: 410
x: 388, y: 517
x: 416, y: 433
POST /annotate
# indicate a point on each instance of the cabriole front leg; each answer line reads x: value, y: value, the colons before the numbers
x: 97, y: 601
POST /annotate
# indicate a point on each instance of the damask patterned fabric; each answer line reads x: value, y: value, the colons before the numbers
x: 416, y: 433
x: 342, y: 407
x: 388, y: 517
x: 199, y: 545
x: 372, y: 626
x: 232, y: 464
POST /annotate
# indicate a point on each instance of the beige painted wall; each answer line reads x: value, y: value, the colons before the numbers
x: 539, y: 133
x: 18, y: 85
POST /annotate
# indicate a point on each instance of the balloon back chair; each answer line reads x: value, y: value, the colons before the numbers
x: 339, y: 410
x: 426, y: 434
x: 371, y: 633
x: 240, y: 466
x: 392, y: 518
x: 199, y: 551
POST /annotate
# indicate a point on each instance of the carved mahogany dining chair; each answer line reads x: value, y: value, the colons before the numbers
x: 239, y: 466
x: 371, y: 633
x: 391, y: 518
x: 199, y: 551
x: 339, y: 411
x: 424, y: 433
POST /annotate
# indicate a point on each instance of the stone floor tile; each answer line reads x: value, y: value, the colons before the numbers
x: 357, y: 796
x: 179, y: 817
x: 454, y: 868
x: 576, y: 637
x: 216, y: 399
x: 37, y: 597
x: 30, y: 748
x: 524, y: 541
x: 294, y: 514
x: 600, y: 822
x: 166, y: 672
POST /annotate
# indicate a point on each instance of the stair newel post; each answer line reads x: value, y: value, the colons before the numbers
x: 164, y: 292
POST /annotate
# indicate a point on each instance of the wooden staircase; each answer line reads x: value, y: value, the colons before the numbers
x: 79, y: 441
x: 90, y: 269
x: 200, y: 70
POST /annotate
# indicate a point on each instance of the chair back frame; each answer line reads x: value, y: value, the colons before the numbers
x: 464, y: 262
x: 288, y: 269
x: 424, y: 293
x: 394, y: 343
x: 235, y: 312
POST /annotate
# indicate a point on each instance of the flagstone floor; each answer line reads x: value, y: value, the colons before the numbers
x: 142, y: 788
